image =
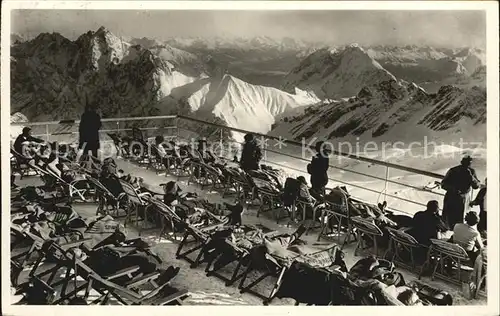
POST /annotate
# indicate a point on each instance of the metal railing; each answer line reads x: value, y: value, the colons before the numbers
x: 407, y: 204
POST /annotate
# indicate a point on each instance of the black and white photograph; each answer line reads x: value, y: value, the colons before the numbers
x: 253, y: 154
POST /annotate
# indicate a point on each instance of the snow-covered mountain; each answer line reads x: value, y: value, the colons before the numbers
x: 393, y: 110
x: 54, y: 78
x: 428, y: 64
x: 336, y: 73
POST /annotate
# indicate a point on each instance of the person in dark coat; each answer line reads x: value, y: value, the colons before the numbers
x: 457, y: 183
x: 90, y: 123
x: 427, y: 224
x: 251, y: 154
x: 481, y: 201
x: 25, y: 136
x: 318, y: 169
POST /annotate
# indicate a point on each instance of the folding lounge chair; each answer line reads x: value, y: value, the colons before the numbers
x: 338, y: 213
x: 239, y: 182
x: 229, y: 252
x: 127, y: 292
x: 402, y: 245
x: 268, y: 195
x: 67, y: 188
x: 135, y: 203
x: 274, y: 266
x: 19, y: 164
x: 155, y: 160
x: 200, y: 238
x: 167, y: 216
x: 205, y: 175
x: 366, y: 230
x: 105, y: 199
x: 443, y: 253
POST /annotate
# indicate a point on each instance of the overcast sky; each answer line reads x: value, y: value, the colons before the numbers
x: 435, y: 28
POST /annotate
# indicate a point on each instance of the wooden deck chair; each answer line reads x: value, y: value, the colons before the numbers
x: 130, y: 288
x: 268, y: 196
x: 231, y: 253
x: 155, y: 161
x: 200, y: 238
x: 19, y: 164
x: 105, y: 199
x: 268, y: 266
x: 239, y: 182
x: 275, y: 266
x: 338, y: 213
x: 401, y: 244
x: 168, y: 217
x: 136, y: 204
x: 367, y: 229
x: 302, y: 207
x: 442, y: 253
x: 204, y: 175
x: 68, y: 188
x: 236, y: 254
x: 24, y: 254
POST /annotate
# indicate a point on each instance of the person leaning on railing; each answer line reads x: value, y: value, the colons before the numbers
x: 251, y: 154
x: 458, y: 182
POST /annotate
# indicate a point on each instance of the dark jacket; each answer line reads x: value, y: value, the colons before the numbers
x: 426, y: 225
x: 460, y: 180
x: 18, y: 144
x: 318, y: 169
x: 479, y: 200
x: 250, y: 156
x: 90, y: 123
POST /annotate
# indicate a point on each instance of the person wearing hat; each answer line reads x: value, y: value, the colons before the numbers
x: 427, y: 224
x: 458, y: 183
x: 251, y: 154
x: 318, y: 168
x: 25, y: 138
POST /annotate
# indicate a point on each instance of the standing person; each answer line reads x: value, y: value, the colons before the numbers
x: 318, y: 169
x: 457, y: 183
x: 251, y: 154
x: 90, y: 123
x: 481, y: 201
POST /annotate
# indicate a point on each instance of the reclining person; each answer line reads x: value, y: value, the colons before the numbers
x: 467, y: 236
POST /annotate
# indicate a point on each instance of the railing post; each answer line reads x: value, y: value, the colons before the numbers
x: 386, y: 182
x: 47, y: 132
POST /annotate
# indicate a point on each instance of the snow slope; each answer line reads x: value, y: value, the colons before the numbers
x: 391, y: 108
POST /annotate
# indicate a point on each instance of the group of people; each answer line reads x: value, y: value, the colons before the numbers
x: 468, y: 227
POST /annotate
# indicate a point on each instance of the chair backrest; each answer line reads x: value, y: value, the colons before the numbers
x: 137, y: 134
x: 402, y: 237
x: 100, y: 187
x: 131, y: 193
x: 366, y: 226
x: 164, y: 208
x: 337, y: 201
x: 449, y: 248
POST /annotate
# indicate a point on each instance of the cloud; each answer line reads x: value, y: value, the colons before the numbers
x: 437, y: 28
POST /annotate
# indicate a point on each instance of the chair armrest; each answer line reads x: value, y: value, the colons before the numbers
x: 123, y: 272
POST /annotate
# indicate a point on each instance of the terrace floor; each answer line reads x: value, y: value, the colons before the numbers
x: 210, y: 290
